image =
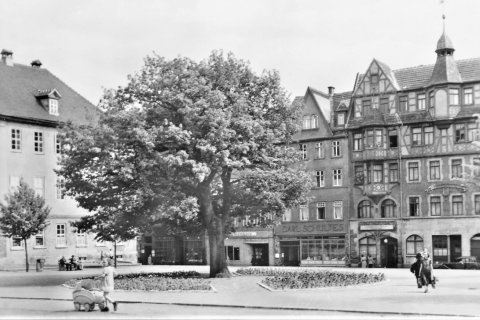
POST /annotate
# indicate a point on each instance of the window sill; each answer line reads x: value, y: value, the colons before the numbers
x: 39, y: 247
x: 61, y: 246
x: 16, y: 151
x: 17, y: 249
x: 81, y: 246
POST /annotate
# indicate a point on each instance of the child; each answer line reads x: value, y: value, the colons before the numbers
x: 107, y: 285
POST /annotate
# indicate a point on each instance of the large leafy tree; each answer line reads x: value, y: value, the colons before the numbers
x: 24, y: 215
x: 193, y: 143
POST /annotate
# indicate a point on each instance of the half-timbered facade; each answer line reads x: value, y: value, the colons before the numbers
x: 412, y: 160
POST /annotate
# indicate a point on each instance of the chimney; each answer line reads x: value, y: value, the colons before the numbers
x: 331, y: 90
x: 36, y: 64
x: 7, y: 57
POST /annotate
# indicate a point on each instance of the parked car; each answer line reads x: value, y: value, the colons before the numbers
x: 464, y: 262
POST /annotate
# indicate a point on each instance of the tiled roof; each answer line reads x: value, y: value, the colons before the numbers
x: 341, y: 101
x: 468, y: 111
x: 20, y: 85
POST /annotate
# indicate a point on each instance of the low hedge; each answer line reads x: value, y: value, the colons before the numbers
x: 303, y: 279
x: 159, y: 281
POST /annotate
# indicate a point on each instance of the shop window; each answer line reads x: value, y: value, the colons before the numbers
x: 388, y: 209
x: 232, y: 253
x: 365, y: 209
x: 440, y: 248
x: 414, y: 244
x: 367, y: 247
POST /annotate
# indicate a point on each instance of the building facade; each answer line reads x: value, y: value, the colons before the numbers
x: 33, y: 103
x: 315, y: 234
x: 415, y: 184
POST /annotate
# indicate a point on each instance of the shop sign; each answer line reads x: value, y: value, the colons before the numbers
x: 244, y: 234
x: 313, y: 228
x: 377, y: 226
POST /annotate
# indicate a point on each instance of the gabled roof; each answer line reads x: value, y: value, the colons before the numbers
x: 324, y: 108
x: 20, y: 87
x: 341, y: 101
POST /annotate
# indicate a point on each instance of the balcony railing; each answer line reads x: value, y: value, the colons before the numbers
x: 375, y: 154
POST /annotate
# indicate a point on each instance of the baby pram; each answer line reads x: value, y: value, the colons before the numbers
x: 86, y: 295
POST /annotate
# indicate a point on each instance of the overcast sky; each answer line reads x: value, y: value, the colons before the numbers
x: 95, y: 44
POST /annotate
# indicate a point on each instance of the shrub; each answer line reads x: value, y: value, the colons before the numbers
x: 287, y: 279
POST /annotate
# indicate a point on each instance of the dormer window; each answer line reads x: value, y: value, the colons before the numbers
x: 53, y: 107
x: 310, y: 122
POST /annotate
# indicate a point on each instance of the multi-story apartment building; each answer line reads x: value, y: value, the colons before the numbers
x: 33, y: 103
x: 315, y: 233
x: 412, y: 160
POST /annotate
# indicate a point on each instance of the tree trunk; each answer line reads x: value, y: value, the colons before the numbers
x: 218, y: 262
x: 27, y: 266
x: 115, y: 253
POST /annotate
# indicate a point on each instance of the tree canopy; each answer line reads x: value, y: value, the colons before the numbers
x: 24, y: 215
x: 190, y: 143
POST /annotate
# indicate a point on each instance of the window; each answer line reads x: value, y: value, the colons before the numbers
x: 476, y: 167
x: 60, y: 188
x: 388, y: 209
x: 428, y: 135
x: 303, y: 150
x: 319, y: 151
x: 414, y: 206
x: 393, y: 138
x: 287, y: 215
x: 440, y: 248
x: 421, y: 102
x: 365, y: 209
x: 358, y: 110
x: 232, y: 253
x: 377, y: 173
x: 378, y: 138
x: 341, y: 119
x: 460, y: 132
x: 403, y: 103
x: 38, y: 186
x: 319, y: 179
x: 457, y: 205
x: 310, y: 122
x: 336, y: 152
x: 414, y: 244
x: 369, y: 139
x: 81, y: 239
x: 367, y: 107
x: 453, y: 95
x: 16, y: 139
x: 413, y: 172
x: 357, y: 142
x: 304, y: 212
x: 337, y: 210
x: 17, y: 243
x: 359, y: 174
x: 320, y: 210
x: 384, y: 105
x: 368, y: 246
x: 38, y: 142
x: 476, y: 204
x: 456, y: 168
x: 58, y: 145
x: 434, y: 170
x: 468, y: 96
x: 473, y: 134
x: 393, y: 172
x: 40, y: 239
x: 416, y: 136
x: 431, y: 98
x: 337, y: 177
x: 435, y: 205
x: 53, y: 107
x: 443, y: 137
x: 61, y: 239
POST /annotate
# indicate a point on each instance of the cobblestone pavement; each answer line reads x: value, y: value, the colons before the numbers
x: 457, y: 296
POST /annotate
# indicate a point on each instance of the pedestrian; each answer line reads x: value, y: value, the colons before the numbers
x: 370, y: 261
x: 73, y: 263
x: 107, y: 285
x: 363, y: 260
x: 415, y: 269
x: 426, y: 270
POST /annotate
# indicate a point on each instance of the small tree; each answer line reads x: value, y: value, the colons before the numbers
x: 24, y: 215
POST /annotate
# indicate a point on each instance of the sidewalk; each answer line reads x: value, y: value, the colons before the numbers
x: 458, y: 293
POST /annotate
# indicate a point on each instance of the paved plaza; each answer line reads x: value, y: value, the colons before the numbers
x: 41, y: 295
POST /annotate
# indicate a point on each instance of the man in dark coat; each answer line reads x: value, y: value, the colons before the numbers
x: 415, y: 268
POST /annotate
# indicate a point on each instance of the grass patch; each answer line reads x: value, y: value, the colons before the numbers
x: 304, y: 279
x: 167, y: 281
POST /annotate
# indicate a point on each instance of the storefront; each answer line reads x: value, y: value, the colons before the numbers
x: 250, y: 246
x: 317, y: 243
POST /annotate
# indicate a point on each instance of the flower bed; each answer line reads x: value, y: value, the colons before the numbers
x: 302, y: 279
x: 167, y: 281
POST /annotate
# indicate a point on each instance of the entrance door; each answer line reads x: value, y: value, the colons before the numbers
x: 475, y: 246
x: 290, y: 253
x: 146, y: 254
x: 388, y: 252
x: 260, y: 254
x: 455, y: 247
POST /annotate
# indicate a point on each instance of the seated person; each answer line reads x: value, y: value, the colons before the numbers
x: 62, y: 263
x: 73, y: 263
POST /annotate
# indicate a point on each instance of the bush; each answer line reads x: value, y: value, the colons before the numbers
x: 181, y: 280
x: 288, y: 279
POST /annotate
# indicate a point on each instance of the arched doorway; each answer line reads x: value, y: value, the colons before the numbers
x: 388, y: 252
x: 475, y: 246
